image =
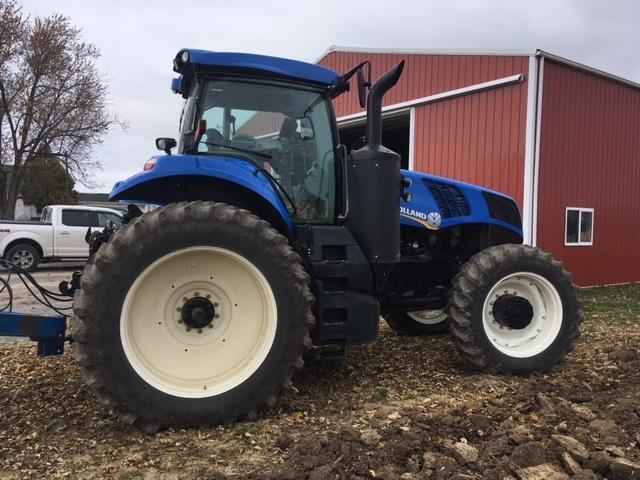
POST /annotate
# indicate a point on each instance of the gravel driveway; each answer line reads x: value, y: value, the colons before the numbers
x: 399, y: 409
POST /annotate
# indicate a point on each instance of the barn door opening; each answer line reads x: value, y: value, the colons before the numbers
x: 395, y: 134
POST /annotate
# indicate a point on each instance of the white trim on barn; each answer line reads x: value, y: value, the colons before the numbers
x: 361, y: 118
x: 536, y: 158
x: 423, y: 51
x: 412, y: 139
x: 529, y: 153
x: 458, y: 92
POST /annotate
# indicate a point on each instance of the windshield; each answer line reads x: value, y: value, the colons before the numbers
x: 285, y: 130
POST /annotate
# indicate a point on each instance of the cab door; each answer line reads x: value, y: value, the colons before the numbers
x: 71, y: 231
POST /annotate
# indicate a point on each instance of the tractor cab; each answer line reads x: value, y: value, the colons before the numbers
x: 271, y: 112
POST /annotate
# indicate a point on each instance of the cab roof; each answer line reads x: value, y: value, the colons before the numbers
x: 258, y: 64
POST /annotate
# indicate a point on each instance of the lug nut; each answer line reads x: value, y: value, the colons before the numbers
x: 210, y: 325
x: 199, y: 330
x: 179, y: 309
x: 217, y: 315
x: 185, y: 299
x: 197, y: 294
x: 216, y: 304
x: 208, y: 295
x: 188, y: 329
x: 179, y: 320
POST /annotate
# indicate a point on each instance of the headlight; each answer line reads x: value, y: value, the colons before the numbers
x: 503, y: 209
x: 185, y: 57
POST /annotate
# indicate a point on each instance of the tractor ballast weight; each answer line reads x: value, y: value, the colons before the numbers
x: 374, y: 184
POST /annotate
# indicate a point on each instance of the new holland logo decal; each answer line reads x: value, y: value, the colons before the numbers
x: 431, y: 220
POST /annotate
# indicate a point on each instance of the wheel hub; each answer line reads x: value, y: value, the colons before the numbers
x: 512, y: 311
x: 198, y: 312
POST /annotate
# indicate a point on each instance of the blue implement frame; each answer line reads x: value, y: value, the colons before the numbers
x: 48, y: 330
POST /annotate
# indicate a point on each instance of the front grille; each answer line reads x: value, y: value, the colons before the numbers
x: 503, y: 209
x: 450, y: 199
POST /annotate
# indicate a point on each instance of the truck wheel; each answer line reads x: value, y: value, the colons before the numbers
x: 422, y: 322
x: 25, y: 256
x: 192, y: 314
x: 514, y: 309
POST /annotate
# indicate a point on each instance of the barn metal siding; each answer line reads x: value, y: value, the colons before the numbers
x: 477, y: 138
x: 590, y: 157
x: 424, y: 74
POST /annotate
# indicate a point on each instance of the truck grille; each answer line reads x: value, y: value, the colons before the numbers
x: 450, y: 200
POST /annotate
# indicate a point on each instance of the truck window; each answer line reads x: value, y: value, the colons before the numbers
x: 104, y: 217
x: 76, y: 218
x: 46, y: 215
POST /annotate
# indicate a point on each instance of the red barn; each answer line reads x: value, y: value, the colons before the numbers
x: 560, y: 137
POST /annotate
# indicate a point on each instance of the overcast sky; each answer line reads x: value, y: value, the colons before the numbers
x: 138, y: 40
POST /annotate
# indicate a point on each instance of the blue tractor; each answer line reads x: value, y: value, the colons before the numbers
x: 270, y: 238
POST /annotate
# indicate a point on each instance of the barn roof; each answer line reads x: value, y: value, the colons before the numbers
x: 496, y: 52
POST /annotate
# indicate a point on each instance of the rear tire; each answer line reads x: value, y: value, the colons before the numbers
x: 514, y: 309
x: 424, y: 322
x: 25, y: 256
x: 192, y: 314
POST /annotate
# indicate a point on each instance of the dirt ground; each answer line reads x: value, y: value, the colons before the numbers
x: 401, y: 408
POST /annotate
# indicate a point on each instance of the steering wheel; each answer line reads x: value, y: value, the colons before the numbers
x: 244, y: 140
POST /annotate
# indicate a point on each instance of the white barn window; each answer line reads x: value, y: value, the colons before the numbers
x: 578, y: 227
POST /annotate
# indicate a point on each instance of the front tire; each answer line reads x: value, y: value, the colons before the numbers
x: 514, y: 309
x: 193, y: 314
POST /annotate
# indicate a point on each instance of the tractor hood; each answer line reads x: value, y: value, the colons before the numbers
x: 437, y: 203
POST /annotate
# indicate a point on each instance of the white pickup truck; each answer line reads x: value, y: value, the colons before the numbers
x: 60, y: 234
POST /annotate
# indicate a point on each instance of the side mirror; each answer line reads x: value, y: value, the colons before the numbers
x: 166, y: 144
x: 305, y: 128
x: 362, y: 88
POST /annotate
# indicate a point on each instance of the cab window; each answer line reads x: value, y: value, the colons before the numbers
x: 285, y: 130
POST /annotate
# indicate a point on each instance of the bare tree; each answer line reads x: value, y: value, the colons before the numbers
x: 52, y: 98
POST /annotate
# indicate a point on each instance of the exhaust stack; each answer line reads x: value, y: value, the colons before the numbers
x: 374, y: 103
x: 374, y: 187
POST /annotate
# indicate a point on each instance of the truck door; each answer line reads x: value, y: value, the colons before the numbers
x: 71, y: 231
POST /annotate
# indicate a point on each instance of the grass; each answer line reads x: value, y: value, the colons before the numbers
x: 615, y: 304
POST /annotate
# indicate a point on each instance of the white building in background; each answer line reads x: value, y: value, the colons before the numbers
x: 25, y: 212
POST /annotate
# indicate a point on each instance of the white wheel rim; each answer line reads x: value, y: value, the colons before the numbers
x: 198, y: 362
x: 429, y: 317
x: 546, y: 319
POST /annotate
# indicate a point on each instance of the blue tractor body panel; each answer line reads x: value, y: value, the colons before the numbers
x: 450, y: 203
x: 230, y: 169
x: 264, y: 65
x: 456, y: 203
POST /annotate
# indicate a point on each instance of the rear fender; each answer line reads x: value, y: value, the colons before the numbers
x: 29, y: 238
x: 177, y: 178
